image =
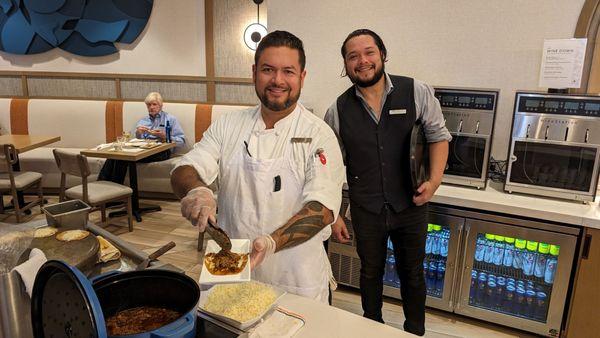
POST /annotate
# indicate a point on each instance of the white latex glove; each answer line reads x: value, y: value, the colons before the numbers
x: 198, y: 205
x: 262, y: 247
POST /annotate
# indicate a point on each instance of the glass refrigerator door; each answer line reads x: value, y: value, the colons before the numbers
x: 516, y: 276
x: 439, y: 265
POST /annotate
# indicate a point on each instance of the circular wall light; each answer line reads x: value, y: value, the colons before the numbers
x: 253, y: 34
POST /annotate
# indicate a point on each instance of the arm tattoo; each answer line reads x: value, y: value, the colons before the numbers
x: 303, y: 226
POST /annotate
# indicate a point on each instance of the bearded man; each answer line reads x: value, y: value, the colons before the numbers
x: 280, y: 175
x: 373, y: 120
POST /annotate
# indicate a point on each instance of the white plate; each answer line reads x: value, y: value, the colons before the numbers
x: 237, y: 246
x: 240, y: 325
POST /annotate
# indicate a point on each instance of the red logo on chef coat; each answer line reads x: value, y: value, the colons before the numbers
x: 321, y: 154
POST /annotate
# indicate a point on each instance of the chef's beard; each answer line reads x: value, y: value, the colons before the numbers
x: 368, y: 83
x: 277, y: 106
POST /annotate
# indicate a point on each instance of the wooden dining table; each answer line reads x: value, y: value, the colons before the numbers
x: 23, y: 143
x: 131, y: 155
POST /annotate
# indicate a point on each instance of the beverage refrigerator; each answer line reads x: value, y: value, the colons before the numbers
x: 498, y: 268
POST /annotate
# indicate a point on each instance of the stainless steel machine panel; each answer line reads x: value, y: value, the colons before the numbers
x: 469, y: 116
x: 555, y: 146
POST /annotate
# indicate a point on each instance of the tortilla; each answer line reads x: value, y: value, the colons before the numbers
x: 72, y: 235
x: 45, y: 232
x: 108, y: 252
x: 225, y: 262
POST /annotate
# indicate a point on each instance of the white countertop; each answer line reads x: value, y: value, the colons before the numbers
x: 494, y: 198
x: 323, y: 320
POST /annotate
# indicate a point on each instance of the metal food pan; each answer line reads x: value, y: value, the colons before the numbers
x: 69, y: 214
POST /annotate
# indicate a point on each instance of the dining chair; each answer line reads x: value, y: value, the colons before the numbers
x: 15, y: 182
x: 97, y: 194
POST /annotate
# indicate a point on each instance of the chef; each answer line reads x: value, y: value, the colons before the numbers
x: 280, y: 173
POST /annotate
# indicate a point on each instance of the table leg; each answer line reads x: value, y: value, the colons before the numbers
x: 135, y: 200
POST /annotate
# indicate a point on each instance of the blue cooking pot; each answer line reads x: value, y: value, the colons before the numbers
x: 66, y: 304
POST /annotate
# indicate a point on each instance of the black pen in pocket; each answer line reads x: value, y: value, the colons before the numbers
x: 248, y: 151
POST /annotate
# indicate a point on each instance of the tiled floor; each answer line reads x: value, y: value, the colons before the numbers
x: 159, y: 228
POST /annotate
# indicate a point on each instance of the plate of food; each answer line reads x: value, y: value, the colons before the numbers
x: 240, y: 305
x: 221, y: 266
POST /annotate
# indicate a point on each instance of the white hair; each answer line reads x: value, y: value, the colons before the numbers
x: 154, y: 96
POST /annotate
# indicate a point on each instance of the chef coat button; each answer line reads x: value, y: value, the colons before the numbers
x: 381, y: 147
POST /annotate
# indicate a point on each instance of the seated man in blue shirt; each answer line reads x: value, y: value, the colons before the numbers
x: 151, y: 127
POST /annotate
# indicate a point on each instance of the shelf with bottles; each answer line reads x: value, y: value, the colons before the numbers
x: 513, y: 276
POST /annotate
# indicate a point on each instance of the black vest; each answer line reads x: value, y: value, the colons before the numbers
x: 378, y: 155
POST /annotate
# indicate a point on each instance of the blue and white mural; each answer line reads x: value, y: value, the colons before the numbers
x: 82, y: 27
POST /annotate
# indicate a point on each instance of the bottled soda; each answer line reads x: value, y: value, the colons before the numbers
x: 435, y: 244
x: 498, y: 250
x: 490, y: 292
x: 473, y: 287
x: 444, y: 241
x: 480, y: 293
x: 509, y: 251
x: 551, y: 264
x: 480, y: 248
x: 439, y: 283
x: 499, y: 296
x: 390, y: 272
x: 520, y: 245
x: 508, y: 304
x: 431, y: 276
x: 489, y: 248
x: 529, y: 303
x: 540, y: 262
x: 429, y: 238
x: 540, y: 306
x: 520, y: 302
x: 529, y: 258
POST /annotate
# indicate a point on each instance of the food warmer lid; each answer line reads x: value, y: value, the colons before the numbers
x: 64, y: 304
x: 419, y: 155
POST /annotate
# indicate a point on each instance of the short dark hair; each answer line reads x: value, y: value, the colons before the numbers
x: 281, y: 39
x: 364, y: 31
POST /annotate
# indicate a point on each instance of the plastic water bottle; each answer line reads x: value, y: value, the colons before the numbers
x: 473, y: 287
x: 551, y: 264
x: 490, y: 292
x: 429, y: 239
x: 530, y: 300
x: 480, y: 292
x: 520, y: 245
x: 529, y: 258
x: 489, y: 248
x: 542, y: 258
x: 540, y: 306
x: 480, y: 248
x: 441, y: 272
x: 431, y: 276
x: 509, y: 251
x: 499, y: 296
x: 168, y: 132
x: 390, y: 273
x: 498, y: 250
x: 435, y: 244
x: 444, y: 241
x: 508, y: 304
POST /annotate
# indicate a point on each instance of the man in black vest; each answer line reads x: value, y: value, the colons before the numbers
x: 373, y: 120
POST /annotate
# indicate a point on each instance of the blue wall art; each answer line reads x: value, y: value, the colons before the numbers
x: 82, y: 27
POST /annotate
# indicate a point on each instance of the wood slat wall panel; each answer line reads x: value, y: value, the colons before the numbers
x: 170, y: 90
x: 69, y: 87
x: 11, y: 86
x: 236, y: 93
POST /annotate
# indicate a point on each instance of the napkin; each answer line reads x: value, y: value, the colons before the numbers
x: 28, y: 270
x: 282, y: 323
x: 108, y: 252
x: 103, y: 146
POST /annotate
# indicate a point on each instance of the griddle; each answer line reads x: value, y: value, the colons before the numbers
x: 82, y: 254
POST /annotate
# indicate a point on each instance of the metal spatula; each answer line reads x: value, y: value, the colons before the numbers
x: 219, y: 236
x: 163, y: 249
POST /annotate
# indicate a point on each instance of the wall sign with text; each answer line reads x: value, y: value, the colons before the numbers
x: 82, y: 27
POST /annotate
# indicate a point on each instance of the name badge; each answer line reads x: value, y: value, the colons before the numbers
x: 301, y: 139
x: 398, y: 112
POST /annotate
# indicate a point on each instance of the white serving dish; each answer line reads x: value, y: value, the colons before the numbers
x: 237, y: 246
x: 240, y: 325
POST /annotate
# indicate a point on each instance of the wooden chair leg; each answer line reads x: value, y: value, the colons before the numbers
x: 16, y: 205
x: 103, y: 215
x: 1, y: 203
x: 200, y: 241
x: 41, y: 195
x: 129, y: 214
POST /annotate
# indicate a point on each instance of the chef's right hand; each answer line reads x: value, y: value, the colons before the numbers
x: 198, y: 205
x: 340, y: 231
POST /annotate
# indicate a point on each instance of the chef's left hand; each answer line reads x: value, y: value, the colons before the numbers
x: 425, y: 193
x: 262, y: 247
